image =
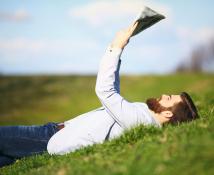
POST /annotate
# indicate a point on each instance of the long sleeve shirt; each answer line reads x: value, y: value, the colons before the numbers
x: 107, y: 122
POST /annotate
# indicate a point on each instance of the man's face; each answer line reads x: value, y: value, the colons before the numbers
x: 169, y: 100
x: 164, y: 103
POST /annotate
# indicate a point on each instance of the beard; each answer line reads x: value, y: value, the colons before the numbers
x: 154, y: 105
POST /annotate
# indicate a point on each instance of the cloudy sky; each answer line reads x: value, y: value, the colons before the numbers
x: 67, y: 36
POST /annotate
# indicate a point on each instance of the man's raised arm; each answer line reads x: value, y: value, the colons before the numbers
x: 107, y: 86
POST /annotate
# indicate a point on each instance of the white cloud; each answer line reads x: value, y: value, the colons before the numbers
x: 101, y: 13
x: 17, y: 44
x: 41, y: 45
x: 19, y: 15
x: 197, y: 36
x: 190, y: 38
x: 24, y: 54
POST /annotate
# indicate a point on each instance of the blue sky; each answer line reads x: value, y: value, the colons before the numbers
x: 63, y: 37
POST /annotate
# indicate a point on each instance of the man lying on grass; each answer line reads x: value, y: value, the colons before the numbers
x: 105, y: 123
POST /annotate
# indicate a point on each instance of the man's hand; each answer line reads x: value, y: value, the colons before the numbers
x: 123, y: 36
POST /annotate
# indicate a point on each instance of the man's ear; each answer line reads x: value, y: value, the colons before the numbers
x: 166, y: 114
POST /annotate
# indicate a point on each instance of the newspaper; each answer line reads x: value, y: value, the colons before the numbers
x: 146, y: 18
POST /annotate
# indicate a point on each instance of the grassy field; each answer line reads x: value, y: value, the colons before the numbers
x: 183, y: 149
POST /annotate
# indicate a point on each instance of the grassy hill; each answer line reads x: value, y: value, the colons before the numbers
x: 184, y: 149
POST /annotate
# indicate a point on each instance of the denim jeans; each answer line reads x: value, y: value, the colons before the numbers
x: 21, y: 141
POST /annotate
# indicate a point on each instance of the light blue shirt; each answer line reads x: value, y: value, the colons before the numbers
x: 107, y: 122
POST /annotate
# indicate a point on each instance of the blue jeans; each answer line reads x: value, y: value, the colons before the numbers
x: 21, y: 141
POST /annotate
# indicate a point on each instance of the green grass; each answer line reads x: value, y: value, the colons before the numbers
x: 183, y: 149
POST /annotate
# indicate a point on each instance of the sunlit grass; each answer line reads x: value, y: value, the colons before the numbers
x: 183, y: 149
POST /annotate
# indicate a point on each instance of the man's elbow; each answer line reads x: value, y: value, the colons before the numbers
x: 98, y: 91
x: 61, y: 148
x: 102, y: 94
x: 53, y: 149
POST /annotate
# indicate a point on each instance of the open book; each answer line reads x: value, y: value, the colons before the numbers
x: 146, y: 18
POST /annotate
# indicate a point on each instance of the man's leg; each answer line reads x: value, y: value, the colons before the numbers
x: 20, y: 141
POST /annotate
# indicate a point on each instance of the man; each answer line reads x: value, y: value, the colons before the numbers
x: 105, y: 123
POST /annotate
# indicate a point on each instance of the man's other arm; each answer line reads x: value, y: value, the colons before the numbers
x: 107, y: 86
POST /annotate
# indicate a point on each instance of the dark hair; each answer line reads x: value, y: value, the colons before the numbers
x: 184, y: 111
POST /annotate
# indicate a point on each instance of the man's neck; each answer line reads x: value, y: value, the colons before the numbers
x: 157, y: 117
